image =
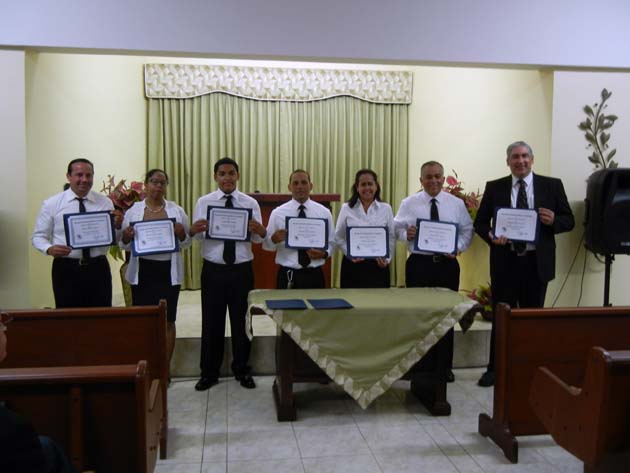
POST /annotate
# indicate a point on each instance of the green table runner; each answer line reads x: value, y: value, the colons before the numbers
x: 367, y: 348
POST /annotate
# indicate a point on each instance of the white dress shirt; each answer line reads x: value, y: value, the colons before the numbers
x: 49, y: 228
x: 288, y: 257
x: 379, y: 214
x: 136, y: 214
x: 450, y: 209
x: 212, y: 250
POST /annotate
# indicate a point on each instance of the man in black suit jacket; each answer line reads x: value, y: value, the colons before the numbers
x: 519, y: 273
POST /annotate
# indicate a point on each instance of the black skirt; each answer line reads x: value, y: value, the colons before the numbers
x: 363, y: 274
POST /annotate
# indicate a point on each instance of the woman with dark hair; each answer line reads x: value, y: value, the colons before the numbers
x: 157, y: 276
x: 365, y: 209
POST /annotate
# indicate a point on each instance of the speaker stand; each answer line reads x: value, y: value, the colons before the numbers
x: 608, y: 263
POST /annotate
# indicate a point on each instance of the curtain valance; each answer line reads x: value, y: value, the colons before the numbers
x: 180, y: 81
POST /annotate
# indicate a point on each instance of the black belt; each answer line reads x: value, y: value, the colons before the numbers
x: 83, y: 262
x: 226, y: 267
x: 433, y: 258
x: 301, y: 270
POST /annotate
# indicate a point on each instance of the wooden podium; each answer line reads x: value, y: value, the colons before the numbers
x: 265, y: 267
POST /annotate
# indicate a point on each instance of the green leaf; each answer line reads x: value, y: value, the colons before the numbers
x: 611, y: 154
x: 588, y: 110
x: 612, y: 118
x: 590, y: 137
x: 593, y: 159
x: 584, y: 126
x: 605, y: 95
x: 600, y: 121
x: 605, y: 137
x: 613, y: 165
x: 606, y: 125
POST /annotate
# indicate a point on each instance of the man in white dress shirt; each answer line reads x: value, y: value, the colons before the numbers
x: 81, y: 278
x: 299, y: 269
x: 226, y: 279
x: 424, y: 269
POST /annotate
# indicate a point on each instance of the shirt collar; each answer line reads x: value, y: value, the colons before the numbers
x: 297, y: 204
x: 437, y: 197
x: 70, y: 196
x: 527, y: 179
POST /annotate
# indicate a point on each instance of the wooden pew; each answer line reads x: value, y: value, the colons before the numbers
x: 107, y: 418
x: 93, y: 337
x: 591, y: 422
x: 556, y: 338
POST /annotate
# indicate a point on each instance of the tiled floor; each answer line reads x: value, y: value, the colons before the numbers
x: 231, y: 429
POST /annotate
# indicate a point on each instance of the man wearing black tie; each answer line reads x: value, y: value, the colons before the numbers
x: 299, y: 269
x: 425, y: 269
x: 519, y: 272
x: 226, y: 279
x: 80, y: 278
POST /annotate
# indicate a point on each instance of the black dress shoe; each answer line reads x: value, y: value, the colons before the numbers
x: 450, y: 377
x: 246, y: 380
x: 486, y: 380
x: 205, y: 383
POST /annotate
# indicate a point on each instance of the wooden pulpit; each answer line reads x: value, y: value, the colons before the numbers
x: 265, y: 267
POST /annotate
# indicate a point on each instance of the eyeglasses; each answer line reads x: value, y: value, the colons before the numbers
x: 157, y: 182
x: 5, y: 319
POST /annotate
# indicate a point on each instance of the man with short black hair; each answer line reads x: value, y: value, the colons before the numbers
x: 299, y: 269
x: 81, y: 278
x: 226, y: 279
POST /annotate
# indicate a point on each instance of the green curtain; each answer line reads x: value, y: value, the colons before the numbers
x: 331, y: 139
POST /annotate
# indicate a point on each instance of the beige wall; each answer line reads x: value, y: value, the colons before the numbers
x: 14, y: 288
x: 93, y: 106
x: 573, y: 90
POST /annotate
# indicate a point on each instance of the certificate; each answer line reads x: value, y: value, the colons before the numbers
x: 305, y: 233
x: 228, y: 223
x: 516, y: 224
x: 153, y: 237
x: 89, y: 229
x: 436, y: 237
x: 367, y: 242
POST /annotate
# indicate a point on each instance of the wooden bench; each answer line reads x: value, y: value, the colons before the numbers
x: 559, y: 339
x: 107, y: 418
x: 591, y: 422
x: 93, y: 337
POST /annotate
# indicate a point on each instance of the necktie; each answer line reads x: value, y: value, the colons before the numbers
x: 229, y: 246
x: 85, y: 252
x: 303, y: 258
x: 434, y: 210
x: 521, y: 203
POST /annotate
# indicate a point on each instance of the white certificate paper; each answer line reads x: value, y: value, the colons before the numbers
x: 154, y: 237
x: 307, y: 233
x: 516, y: 224
x: 228, y: 223
x: 89, y: 229
x: 436, y: 237
x: 367, y: 242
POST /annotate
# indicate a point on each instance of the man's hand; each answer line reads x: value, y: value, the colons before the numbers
x: 59, y: 250
x: 546, y: 216
x: 316, y: 254
x: 198, y: 227
x: 411, y: 232
x: 382, y: 262
x: 502, y: 240
x: 128, y: 234
x: 118, y: 218
x: 257, y: 228
x: 279, y: 236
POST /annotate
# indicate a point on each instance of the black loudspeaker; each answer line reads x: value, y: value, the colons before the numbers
x: 607, y: 214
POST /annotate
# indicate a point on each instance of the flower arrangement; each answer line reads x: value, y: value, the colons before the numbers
x: 483, y: 296
x: 123, y: 197
x: 471, y: 199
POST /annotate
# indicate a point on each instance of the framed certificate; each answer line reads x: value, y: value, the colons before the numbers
x: 153, y: 237
x: 89, y: 229
x: 367, y: 242
x: 228, y: 223
x: 305, y: 233
x: 436, y: 237
x: 516, y: 224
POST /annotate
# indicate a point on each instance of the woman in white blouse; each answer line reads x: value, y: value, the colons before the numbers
x: 365, y: 209
x: 157, y: 276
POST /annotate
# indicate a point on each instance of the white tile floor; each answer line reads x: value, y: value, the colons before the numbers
x: 231, y: 429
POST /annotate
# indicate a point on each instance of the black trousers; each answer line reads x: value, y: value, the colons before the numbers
x: 77, y: 285
x: 154, y: 283
x: 521, y: 288
x: 434, y: 271
x: 224, y: 287
x: 363, y: 274
x: 307, y: 278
